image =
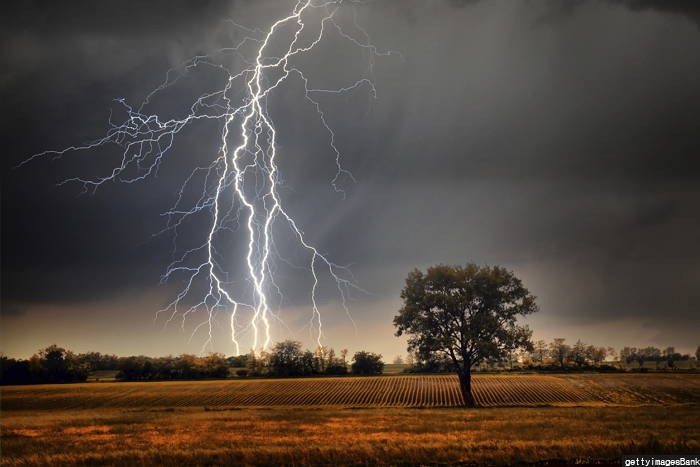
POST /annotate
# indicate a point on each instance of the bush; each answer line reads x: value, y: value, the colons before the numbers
x: 14, y: 371
x: 237, y: 361
x: 336, y: 368
x: 367, y: 363
x: 242, y: 373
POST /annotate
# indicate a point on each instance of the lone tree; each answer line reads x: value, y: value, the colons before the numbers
x: 465, y: 313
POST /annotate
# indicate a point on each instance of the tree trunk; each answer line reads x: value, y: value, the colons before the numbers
x: 465, y: 385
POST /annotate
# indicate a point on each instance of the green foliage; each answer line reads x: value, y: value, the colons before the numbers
x: 466, y: 313
x: 367, y: 363
x: 258, y: 365
x: 582, y: 354
x: 431, y: 363
x: 287, y: 359
x: 238, y: 361
x: 336, y: 367
x: 185, y: 366
x: 51, y: 365
x: 96, y: 361
x: 215, y: 365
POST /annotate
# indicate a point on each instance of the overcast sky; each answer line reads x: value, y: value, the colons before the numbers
x: 559, y: 139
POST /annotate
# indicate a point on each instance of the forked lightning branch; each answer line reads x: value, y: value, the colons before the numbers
x: 240, y: 185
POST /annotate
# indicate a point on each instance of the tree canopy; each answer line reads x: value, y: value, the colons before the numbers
x: 367, y: 363
x: 466, y: 313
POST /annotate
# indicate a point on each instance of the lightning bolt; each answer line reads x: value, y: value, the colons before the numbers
x: 240, y: 186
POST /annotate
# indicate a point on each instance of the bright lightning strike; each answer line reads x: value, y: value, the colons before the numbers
x: 241, y: 184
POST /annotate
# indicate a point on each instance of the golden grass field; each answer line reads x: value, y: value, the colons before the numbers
x: 359, y: 421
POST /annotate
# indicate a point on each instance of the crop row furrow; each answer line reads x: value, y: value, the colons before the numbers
x: 374, y: 391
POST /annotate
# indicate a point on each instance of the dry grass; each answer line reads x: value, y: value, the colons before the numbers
x: 357, y: 421
x: 344, y: 436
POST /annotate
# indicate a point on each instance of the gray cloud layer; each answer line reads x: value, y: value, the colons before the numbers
x: 561, y: 142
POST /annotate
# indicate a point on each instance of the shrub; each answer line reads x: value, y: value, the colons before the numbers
x: 367, y: 363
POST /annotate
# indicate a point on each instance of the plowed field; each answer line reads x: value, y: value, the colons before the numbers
x: 384, y: 391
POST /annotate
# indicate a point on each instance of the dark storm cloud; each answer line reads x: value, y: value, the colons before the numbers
x: 568, y: 149
x: 57, y: 81
x: 113, y: 17
x: 688, y: 8
x: 557, y: 138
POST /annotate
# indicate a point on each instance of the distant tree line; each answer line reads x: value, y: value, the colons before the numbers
x: 50, y: 365
x: 668, y: 356
x: 185, y: 366
x: 558, y: 355
x: 57, y: 365
x: 286, y: 359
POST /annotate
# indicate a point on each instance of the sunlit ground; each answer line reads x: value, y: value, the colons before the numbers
x: 306, y: 436
x: 352, y: 420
